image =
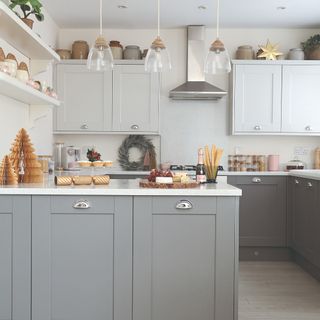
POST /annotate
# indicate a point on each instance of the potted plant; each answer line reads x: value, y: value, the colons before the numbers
x: 311, y: 47
x: 28, y: 7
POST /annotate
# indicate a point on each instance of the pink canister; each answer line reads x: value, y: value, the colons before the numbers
x: 273, y: 162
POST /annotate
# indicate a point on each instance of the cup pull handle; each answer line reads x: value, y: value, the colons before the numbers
x: 82, y: 204
x: 256, y: 180
x: 184, y: 205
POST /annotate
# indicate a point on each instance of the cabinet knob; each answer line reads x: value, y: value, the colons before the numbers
x: 84, y: 127
x: 309, y: 185
x: 257, y: 128
x: 81, y: 204
x: 308, y: 128
x: 256, y: 180
x: 184, y: 205
x: 296, y: 181
x: 134, y: 127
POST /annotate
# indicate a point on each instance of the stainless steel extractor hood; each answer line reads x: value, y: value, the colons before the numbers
x: 196, y: 88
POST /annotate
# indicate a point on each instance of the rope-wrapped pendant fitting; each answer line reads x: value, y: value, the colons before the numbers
x: 101, y: 42
x: 217, y: 45
x: 158, y: 44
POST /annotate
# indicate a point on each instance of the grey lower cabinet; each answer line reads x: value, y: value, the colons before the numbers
x: 15, y: 260
x: 81, y: 258
x: 185, y: 258
x: 306, y: 219
x: 262, y: 213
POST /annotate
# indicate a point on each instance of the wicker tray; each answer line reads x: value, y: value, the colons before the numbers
x: 176, y: 185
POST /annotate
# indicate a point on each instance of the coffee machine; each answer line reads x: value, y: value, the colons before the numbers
x: 70, y: 156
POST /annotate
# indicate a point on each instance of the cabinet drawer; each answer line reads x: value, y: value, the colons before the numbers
x: 82, y: 204
x: 184, y: 205
x: 264, y: 180
x: 5, y: 204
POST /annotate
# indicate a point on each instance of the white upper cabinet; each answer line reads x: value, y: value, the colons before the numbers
x: 123, y: 100
x: 257, y: 98
x: 86, y: 99
x: 135, y: 99
x: 276, y: 97
x: 301, y: 99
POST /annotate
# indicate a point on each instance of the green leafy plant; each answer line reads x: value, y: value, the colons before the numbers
x: 28, y: 7
x: 312, y: 43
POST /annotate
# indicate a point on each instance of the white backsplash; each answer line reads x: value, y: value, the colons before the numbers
x: 107, y: 145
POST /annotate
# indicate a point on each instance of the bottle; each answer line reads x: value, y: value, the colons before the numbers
x: 200, y: 170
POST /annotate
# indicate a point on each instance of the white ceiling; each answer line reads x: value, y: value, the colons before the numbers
x: 178, y: 13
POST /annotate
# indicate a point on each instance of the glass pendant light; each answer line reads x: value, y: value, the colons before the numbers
x: 100, y: 56
x: 218, y: 60
x: 158, y: 58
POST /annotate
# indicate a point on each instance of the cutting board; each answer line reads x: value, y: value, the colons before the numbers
x: 176, y: 185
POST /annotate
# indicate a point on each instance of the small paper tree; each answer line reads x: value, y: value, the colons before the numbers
x: 7, y: 174
x: 24, y: 159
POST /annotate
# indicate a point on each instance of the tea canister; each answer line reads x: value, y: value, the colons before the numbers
x: 116, y: 49
x: 132, y: 52
x: 245, y: 53
x: 296, y: 54
x: 80, y: 50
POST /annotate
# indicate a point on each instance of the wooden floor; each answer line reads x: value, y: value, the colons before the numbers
x: 277, y: 291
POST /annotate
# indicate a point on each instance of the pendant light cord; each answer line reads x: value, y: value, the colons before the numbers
x: 101, y: 17
x: 218, y: 18
x: 158, y: 18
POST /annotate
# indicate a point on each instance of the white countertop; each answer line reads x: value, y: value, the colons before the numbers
x: 254, y: 173
x: 308, y: 174
x: 119, y: 187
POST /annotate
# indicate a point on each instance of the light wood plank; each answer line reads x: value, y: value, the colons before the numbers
x: 277, y: 291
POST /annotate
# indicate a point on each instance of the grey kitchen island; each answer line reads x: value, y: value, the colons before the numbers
x: 118, y: 252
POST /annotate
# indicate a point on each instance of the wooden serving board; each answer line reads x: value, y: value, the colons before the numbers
x: 176, y: 185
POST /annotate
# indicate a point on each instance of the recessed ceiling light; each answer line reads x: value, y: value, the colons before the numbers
x: 122, y: 6
x: 281, y: 8
x: 202, y: 7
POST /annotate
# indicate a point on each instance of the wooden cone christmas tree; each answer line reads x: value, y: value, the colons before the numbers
x: 7, y: 174
x: 24, y: 159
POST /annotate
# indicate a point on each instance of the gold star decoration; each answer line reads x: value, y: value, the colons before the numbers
x: 269, y: 51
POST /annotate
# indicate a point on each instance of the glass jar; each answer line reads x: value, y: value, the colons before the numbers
x: 44, y: 161
x: 58, y: 155
x: 262, y: 163
x: 255, y: 165
x: 249, y: 163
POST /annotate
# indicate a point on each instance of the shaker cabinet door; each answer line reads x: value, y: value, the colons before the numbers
x: 262, y: 210
x: 86, y: 99
x: 15, y: 257
x: 257, y: 99
x: 136, y: 99
x: 301, y: 99
x: 81, y: 258
x: 184, y: 260
x: 305, y: 217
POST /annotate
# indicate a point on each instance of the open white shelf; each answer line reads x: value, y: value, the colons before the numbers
x: 14, y: 31
x: 15, y: 89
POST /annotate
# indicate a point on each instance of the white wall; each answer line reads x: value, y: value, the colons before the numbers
x: 15, y: 115
x: 186, y: 125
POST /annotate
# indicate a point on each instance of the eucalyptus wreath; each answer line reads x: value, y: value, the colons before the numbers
x: 140, y: 142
